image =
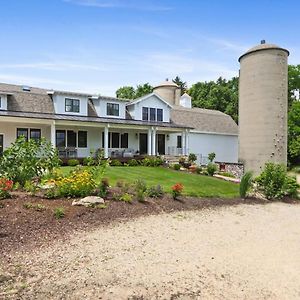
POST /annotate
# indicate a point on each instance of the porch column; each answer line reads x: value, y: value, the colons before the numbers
x: 149, y: 141
x: 153, y: 141
x: 53, y: 135
x: 106, y: 141
x: 183, y: 143
x: 187, y: 151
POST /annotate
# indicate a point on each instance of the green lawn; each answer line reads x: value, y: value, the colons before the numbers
x: 194, y: 184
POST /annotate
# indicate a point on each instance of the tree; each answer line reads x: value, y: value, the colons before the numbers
x: 294, y: 133
x: 293, y: 82
x: 181, y: 84
x: 126, y: 92
x: 129, y: 92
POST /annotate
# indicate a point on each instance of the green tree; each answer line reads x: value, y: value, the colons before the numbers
x: 129, y: 92
x: 293, y: 81
x: 143, y: 89
x: 126, y: 92
x: 294, y: 132
x: 181, y: 84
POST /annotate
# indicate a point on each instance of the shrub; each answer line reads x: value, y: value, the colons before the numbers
x: 120, y: 183
x: 152, y: 161
x: 155, y: 191
x: 182, y: 160
x: 25, y: 160
x: 73, y: 162
x: 227, y: 174
x: 115, y: 163
x: 192, y: 157
x: 177, y: 167
x: 30, y: 187
x: 211, y: 156
x: 245, y: 184
x: 198, y: 170
x: 6, y: 186
x: 291, y: 187
x: 177, y: 190
x: 89, y: 161
x: 126, y: 198
x: 271, y: 180
x: 79, y: 183
x: 211, y: 169
x: 140, y: 190
x: 59, y: 212
x: 133, y: 163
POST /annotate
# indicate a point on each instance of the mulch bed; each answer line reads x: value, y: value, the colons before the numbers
x: 21, y: 228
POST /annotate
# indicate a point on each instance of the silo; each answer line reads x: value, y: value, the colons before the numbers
x: 169, y: 91
x: 263, y: 101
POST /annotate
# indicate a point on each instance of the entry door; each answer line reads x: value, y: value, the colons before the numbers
x: 161, y: 144
x: 1, y: 143
x: 143, y: 143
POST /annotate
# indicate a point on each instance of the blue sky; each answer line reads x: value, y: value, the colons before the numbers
x: 99, y: 45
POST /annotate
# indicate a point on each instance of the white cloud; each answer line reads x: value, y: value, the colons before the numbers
x: 121, y: 4
x: 52, y: 66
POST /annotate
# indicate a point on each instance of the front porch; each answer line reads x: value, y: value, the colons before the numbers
x: 75, y: 139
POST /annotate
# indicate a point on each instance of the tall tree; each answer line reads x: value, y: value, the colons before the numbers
x: 181, y: 84
x: 129, y: 92
x: 293, y: 82
x: 294, y: 133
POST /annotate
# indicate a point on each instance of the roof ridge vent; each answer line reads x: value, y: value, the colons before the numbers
x: 26, y: 88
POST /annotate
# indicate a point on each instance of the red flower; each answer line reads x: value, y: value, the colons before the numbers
x: 5, y: 184
x: 178, y: 187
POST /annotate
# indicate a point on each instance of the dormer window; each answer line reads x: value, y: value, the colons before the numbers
x: 72, y: 105
x: 112, y: 109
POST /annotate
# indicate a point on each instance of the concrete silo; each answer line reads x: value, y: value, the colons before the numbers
x: 169, y: 91
x: 263, y: 101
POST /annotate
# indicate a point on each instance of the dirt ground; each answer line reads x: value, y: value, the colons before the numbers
x: 227, y: 252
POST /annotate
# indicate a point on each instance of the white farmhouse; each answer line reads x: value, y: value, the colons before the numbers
x: 161, y: 123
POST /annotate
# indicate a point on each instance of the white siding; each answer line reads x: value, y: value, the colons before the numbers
x: 59, y: 104
x: 136, y: 110
x: 101, y: 108
x: 225, y: 146
x: 3, y: 104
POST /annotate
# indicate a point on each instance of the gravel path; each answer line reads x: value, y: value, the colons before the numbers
x: 241, y: 252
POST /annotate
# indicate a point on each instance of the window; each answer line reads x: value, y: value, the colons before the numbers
x: 145, y: 113
x: 22, y: 132
x: 179, y: 141
x: 112, y: 109
x: 35, y: 134
x: 115, y: 140
x: 152, y: 114
x: 71, y: 138
x: 159, y: 115
x: 124, y: 140
x: 60, y: 138
x: 72, y: 105
x: 82, y: 139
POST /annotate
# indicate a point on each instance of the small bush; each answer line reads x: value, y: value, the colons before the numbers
x: 245, y: 184
x: 211, y: 169
x: 140, y: 190
x: 182, y: 160
x: 155, y: 191
x: 120, y: 183
x: 6, y: 186
x: 291, y: 187
x: 198, y: 170
x: 192, y: 157
x: 89, y: 161
x: 211, y: 156
x: 103, y: 187
x: 272, y: 180
x: 133, y: 163
x: 59, y: 212
x: 115, y: 163
x: 126, y: 198
x: 227, y: 174
x: 73, y: 162
x: 30, y: 187
x: 176, y: 167
x: 152, y: 161
x: 177, y: 190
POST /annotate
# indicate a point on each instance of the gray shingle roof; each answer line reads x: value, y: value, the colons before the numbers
x: 204, y: 120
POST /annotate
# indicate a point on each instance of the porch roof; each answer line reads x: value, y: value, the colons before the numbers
x: 49, y: 116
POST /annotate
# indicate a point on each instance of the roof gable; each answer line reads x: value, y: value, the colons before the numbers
x: 147, y: 97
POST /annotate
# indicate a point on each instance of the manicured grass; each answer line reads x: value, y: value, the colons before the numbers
x: 194, y: 184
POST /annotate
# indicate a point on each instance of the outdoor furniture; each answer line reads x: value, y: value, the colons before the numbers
x: 128, y: 153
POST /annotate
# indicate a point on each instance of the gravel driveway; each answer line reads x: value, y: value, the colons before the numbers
x: 238, y: 252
